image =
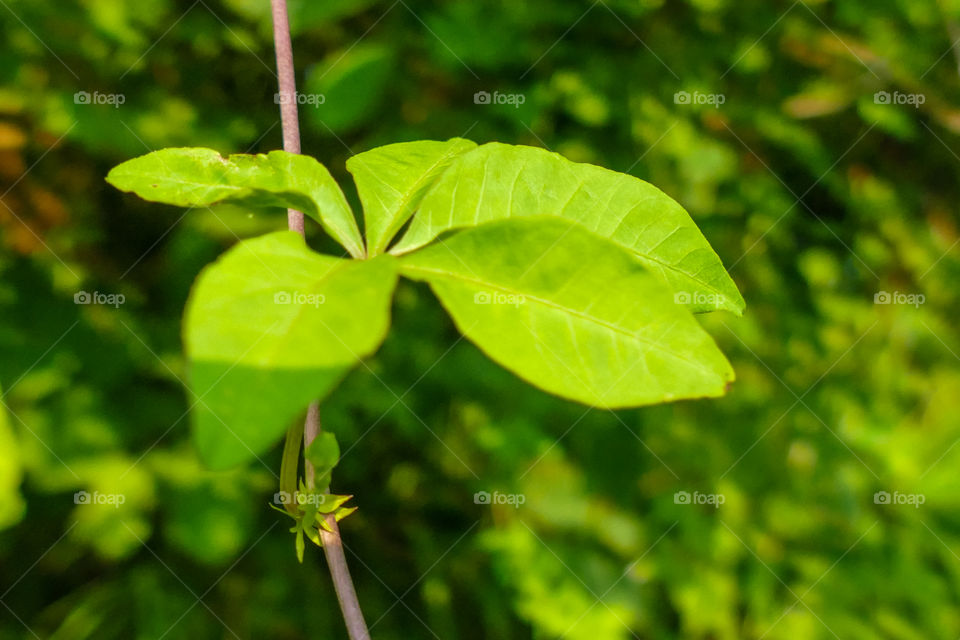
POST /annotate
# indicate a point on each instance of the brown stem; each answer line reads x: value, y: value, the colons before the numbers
x: 332, y: 545
x: 289, y: 122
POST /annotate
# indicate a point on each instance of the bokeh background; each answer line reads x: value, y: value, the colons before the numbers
x: 816, y: 145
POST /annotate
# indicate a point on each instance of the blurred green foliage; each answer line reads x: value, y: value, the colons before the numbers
x: 816, y: 192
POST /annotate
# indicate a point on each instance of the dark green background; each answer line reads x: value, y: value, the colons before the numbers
x: 815, y: 194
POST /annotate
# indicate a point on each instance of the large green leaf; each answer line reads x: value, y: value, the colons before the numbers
x: 498, y: 181
x: 393, y: 179
x: 196, y: 177
x: 270, y: 327
x: 571, y: 312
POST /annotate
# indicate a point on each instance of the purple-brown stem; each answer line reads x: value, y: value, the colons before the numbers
x: 332, y: 545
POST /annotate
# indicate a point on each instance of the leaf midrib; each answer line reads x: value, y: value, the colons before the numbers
x: 549, y: 303
x: 699, y: 281
x: 436, y: 230
x: 314, y: 288
x: 405, y: 198
x: 349, y: 241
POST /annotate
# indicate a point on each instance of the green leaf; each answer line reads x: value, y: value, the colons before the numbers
x: 571, y: 312
x: 196, y: 177
x: 299, y: 545
x: 498, y: 181
x: 339, y: 515
x: 314, y: 534
x: 330, y: 503
x: 307, y: 508
x: 271, y: 326
x: 324, y: 452
x: 353, y: 83
x: 393, y: 179
x: 322, y: 479
x: 343, y: 512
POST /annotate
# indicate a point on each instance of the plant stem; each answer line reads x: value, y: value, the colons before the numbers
x: 332, y: 545
x: 289, y: 122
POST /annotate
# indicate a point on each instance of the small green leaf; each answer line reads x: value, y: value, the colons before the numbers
x: 343, y: 512
x: 340, y: 514
x: 314, y: 535
x: 330, y: 503
x: 497, y: 181
x: 393, y: 179
x: 197, y: 177
x: 299, y: 544
x: 321, y: 481
x: 308, y: 508
x: 271, y: 326
x: 571, y: 312
x: 324, y: 452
